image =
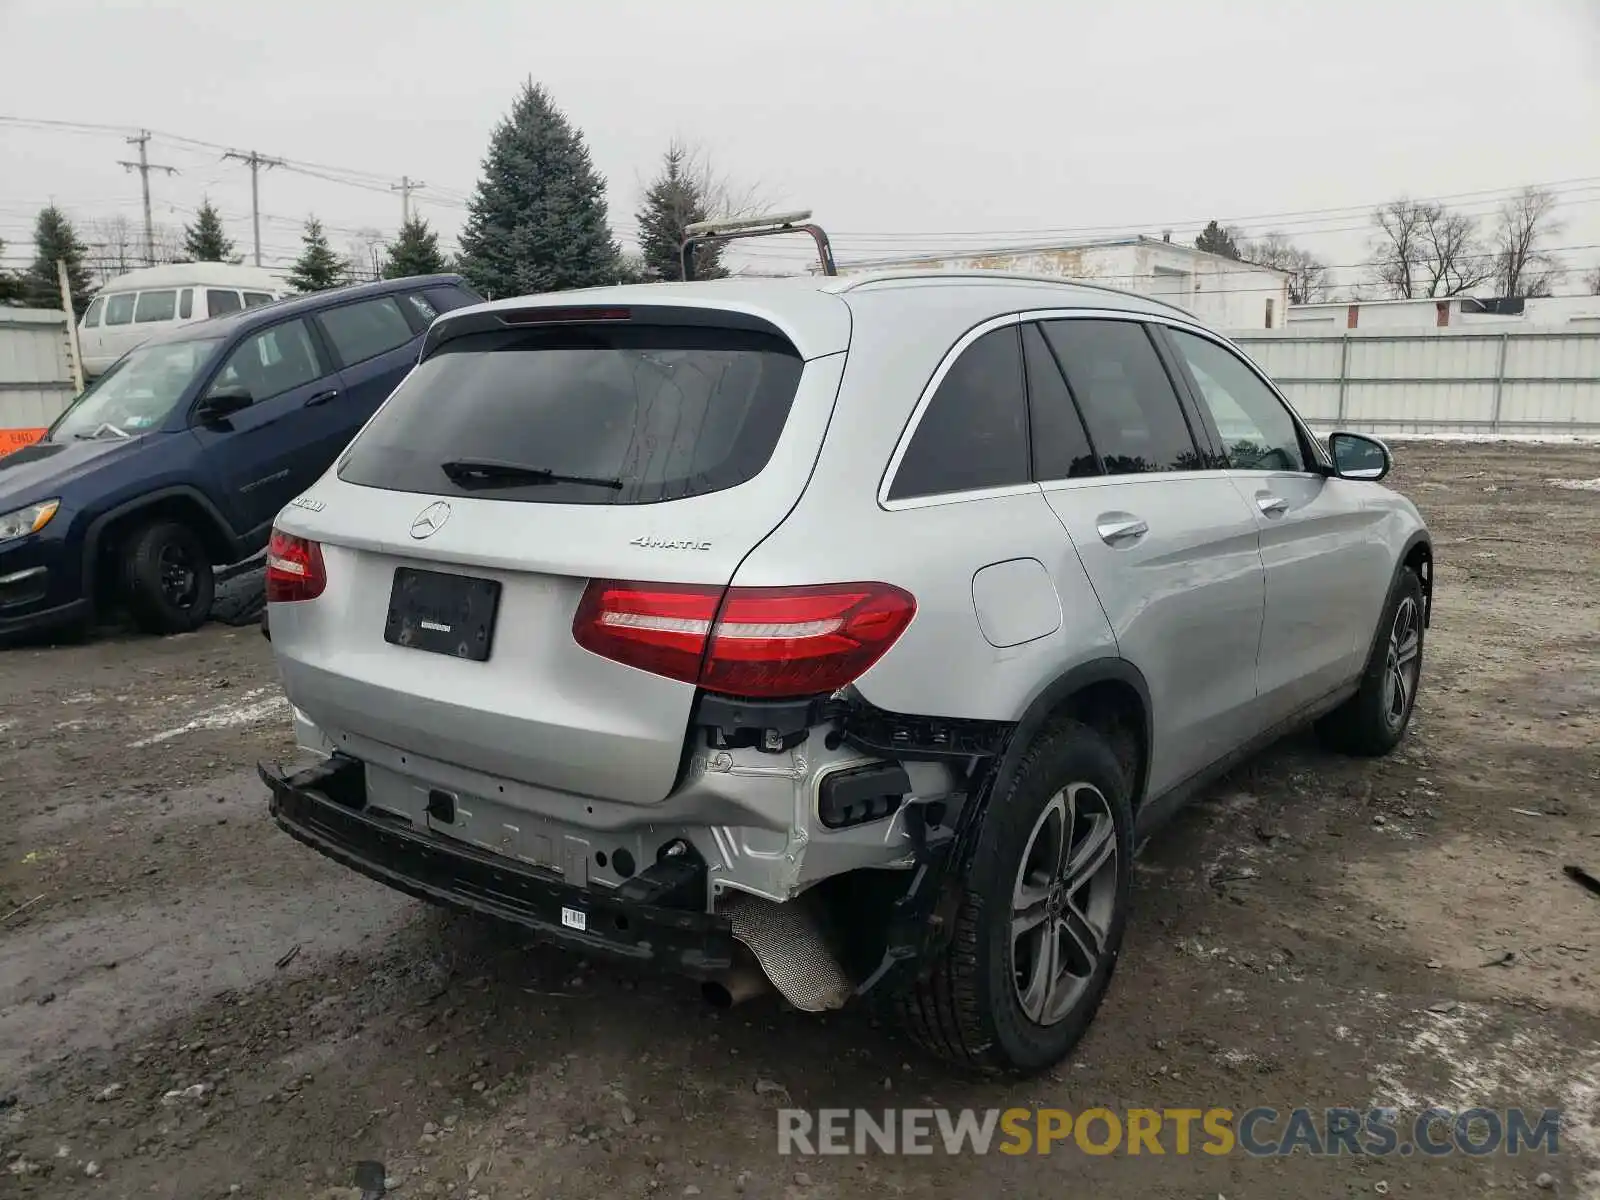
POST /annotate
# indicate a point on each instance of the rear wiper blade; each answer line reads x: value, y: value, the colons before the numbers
x: 491, y: 473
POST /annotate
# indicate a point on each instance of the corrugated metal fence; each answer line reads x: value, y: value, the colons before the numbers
x: 1504, y: 382
x: 35, y: 373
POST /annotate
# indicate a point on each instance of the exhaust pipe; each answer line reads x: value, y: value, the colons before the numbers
x: 734, y: 987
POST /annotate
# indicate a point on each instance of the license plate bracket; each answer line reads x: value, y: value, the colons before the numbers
x: 442, y: 613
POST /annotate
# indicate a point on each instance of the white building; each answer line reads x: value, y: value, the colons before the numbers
x: 1453, y: 312
x: 1222, y: 292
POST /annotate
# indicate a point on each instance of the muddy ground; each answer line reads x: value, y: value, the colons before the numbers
x: 1314, y: 933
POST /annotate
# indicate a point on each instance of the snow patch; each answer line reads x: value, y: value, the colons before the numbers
x: 1576, y: 485
x: 1479, y: 1070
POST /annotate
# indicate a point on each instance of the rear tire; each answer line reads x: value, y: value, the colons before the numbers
x: 167, y: 578
x: 1372, y: 722
x: 1050, y: 874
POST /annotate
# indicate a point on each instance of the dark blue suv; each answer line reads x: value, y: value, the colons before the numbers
x: 181, y: 454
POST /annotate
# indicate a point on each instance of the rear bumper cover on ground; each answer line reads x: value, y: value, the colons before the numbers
x: 459, y: 876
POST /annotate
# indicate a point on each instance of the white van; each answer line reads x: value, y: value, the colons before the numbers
x: 140, y: 304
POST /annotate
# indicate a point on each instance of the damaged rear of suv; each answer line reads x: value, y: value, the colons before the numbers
x: 741, y: 627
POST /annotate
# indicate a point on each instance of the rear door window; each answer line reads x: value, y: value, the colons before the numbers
x: 366, y: 330
x: 92, y: 317
x: 974, y: 432
x: 219, y: 302
x: 628, y: 414
x: 155, y: 306
x: 257, y: 299
x: 1127, y: 401
x: 119, y: 308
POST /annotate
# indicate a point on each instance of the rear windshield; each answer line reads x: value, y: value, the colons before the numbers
x: 639, y: 413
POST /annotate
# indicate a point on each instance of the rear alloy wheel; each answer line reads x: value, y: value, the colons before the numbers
x: 1063, y: 902
x: 167, y: 578
x: 1372, y: 722
x: 1040, y: 925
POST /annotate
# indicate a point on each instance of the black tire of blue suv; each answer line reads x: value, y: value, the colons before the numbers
x: 967, y: 1010
x: 167, y: 579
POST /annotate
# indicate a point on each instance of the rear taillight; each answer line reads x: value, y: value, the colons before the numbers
x: 759, y: 642
x: 294, y: 569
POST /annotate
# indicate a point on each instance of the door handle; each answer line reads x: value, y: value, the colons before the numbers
x: 1271, y: 505
x: 1115, y: 530
x: 322, y: 398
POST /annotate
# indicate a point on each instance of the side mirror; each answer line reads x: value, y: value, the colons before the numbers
x: 1356, y: 456
x: 224, y: 402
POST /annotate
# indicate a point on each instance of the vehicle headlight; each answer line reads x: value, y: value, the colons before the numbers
x: 22, y: 521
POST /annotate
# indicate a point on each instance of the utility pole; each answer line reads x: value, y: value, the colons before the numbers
x: 255, y: 162
x: 144, y: 166
x: 405, y: 187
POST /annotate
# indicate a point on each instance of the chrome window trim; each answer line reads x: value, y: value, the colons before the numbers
x: 1026, y: 316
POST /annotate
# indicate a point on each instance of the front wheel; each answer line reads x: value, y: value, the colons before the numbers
x: 1372, y: 722
x: 1040, y: 925
x: 167, y: 578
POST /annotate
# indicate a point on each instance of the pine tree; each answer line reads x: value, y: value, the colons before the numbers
x: 537, y: 221
x: 1214, y: 239
x: 205, y: 241
x: 318, y: 268
x: 10, y: 285
x: 415, y: 252
x: 55, y: 240
x: 675, y: 200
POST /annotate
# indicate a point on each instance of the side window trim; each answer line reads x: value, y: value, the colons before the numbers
x: 886, y: 482
x: 1316, y: 448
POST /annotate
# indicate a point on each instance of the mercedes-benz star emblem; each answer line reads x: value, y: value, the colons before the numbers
x: 430, y: 520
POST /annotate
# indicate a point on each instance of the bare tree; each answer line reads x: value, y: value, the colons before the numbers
x: 1592, y: 282
x: 1308, y: 275
x: 1522, y: 266
x: 365, y: 253
x: 1455, y: 261
x: 1424, y: 249
x: 1398, y: 248
x: 116, y: 245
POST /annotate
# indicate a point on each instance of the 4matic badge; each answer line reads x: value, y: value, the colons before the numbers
x: 655, y: 543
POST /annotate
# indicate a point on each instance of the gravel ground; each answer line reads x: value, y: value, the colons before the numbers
x: 192, y: 1005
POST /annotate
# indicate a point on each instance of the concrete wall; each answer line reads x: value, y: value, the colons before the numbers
x: 1440, y: 381
x: 1219, y: 291
x: 35, y: 373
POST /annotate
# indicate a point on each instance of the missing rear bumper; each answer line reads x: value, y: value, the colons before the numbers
x: 324, y: 807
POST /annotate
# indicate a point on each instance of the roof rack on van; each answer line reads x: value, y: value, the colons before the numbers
x: 715, y: 232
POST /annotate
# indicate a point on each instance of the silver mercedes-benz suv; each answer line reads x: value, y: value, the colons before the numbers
x: 845, y: 635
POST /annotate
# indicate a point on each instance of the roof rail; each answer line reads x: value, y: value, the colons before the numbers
x: 850, y: 282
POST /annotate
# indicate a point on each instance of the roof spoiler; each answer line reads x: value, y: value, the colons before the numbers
x: 717, y: 232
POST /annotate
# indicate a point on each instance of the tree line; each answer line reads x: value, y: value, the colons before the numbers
x: 1422, y: 249
x: 538, y: 221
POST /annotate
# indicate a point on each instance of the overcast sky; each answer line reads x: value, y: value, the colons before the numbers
x: 900, y: 124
